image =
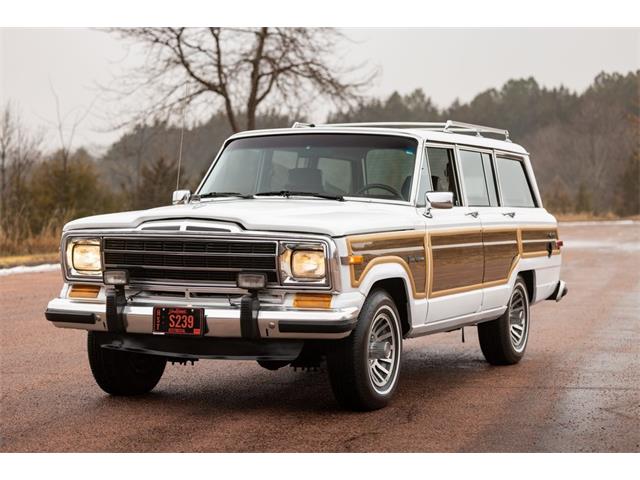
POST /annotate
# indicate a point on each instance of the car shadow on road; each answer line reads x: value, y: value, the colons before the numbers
x: 254, y: 389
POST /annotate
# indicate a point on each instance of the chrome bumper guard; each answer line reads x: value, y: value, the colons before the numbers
x: 560, y: 291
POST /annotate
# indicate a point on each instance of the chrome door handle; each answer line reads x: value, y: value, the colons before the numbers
x: 509, y: 214
x: 472, y: 214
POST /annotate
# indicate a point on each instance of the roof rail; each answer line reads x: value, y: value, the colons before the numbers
x: 461, y: 127
x: 450, y: 126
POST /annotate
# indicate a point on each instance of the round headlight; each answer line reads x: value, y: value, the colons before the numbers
x: 308, y: 264
x: 85, y: 256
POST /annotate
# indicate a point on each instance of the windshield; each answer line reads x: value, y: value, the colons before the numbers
x: 373, y: 166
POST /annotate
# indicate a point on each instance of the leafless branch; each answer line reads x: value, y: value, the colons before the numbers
x: 241, y: 70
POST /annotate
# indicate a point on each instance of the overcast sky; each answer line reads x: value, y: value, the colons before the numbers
x: 446, y: 63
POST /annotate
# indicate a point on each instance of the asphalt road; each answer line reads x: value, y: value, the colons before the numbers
x: 577, y: 389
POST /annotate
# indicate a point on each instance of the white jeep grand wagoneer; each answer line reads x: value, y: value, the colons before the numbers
x: 318, y: 242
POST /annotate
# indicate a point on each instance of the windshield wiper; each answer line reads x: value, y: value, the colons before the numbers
x: 222, y: 194
x: 290, y: 193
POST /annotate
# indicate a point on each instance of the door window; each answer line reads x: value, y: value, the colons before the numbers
x: 441, y: 176
x: 479, y: 179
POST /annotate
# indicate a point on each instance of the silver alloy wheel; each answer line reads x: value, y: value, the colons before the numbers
x: 384, y: 350
x: 518, y: 319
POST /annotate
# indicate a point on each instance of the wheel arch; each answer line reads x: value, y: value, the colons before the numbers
x: 396, y: 287
x: 529, y: 277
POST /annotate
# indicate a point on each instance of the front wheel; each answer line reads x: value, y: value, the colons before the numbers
x: 123, y: 373
x: 504, y: 340
x: 364, y: 367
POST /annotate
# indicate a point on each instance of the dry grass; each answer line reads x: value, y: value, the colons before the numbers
x: 36, y: 259
x: 44, y: 242
x: 16, y: 238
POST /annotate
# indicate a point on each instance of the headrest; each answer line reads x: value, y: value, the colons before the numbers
x: 406, y: 187
x: 306, y: 180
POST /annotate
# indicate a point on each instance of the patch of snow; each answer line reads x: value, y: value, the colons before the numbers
x: 47, y: 267
x: 602, y: 245
x: 595, y: 223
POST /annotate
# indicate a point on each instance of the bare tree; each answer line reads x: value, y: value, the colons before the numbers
x: 239, y: 69
x: 66, y: 141
x: 19, y: 150
x: 7, y: 134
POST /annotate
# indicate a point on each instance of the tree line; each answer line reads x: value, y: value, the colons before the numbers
x: 585, y: 148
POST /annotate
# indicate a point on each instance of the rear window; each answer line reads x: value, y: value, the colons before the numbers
x: 516, y: 191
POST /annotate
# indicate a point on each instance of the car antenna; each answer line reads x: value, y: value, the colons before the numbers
x: 184, y: 104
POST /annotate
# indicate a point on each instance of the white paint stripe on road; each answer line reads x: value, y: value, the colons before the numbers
x: 47, y: 267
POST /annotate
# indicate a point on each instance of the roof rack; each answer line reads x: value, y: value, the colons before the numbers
x: 450, y: 126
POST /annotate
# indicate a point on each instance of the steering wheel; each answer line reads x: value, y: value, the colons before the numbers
x: 389, y: 189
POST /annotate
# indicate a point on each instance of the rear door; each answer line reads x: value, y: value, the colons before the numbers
x: 499, y: 229
x: 454, y: 238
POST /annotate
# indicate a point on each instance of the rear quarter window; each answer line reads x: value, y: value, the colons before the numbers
x: 515, y: 187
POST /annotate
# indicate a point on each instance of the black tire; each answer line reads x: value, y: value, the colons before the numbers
x: 123, y: 373
x: 499, y: 339
x: 352, y: 371
x: 273, y: 364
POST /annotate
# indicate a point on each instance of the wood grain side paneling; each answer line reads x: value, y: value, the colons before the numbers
x: 406, y: 249
x: 539, y: 234
x: 501, y: 253
x: 455, y: 238
x: 539, y: 242
x: 456, y: 267
x: 457, y: 261
x: 448, y: 262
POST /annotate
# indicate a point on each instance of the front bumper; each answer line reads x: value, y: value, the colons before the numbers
x: 223, y: 321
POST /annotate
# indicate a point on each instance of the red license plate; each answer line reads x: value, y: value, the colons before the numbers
x: 178, y: 321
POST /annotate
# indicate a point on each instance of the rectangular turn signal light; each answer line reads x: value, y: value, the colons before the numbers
x: 84, y: 291
x: 312, y: 300
x: 352, y: 260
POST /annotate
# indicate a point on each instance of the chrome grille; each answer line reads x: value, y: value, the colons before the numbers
x: 210, y: 261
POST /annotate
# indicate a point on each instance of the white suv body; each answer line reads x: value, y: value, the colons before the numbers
x: 456, y: 236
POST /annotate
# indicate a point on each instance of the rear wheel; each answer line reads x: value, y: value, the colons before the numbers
x: 364, y: 367
x: 123, y: 373
x: 504, y: 340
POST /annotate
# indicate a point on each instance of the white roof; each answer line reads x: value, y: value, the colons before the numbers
x: 465, y: 134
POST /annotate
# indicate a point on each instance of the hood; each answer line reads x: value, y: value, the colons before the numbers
x: 319, y: 216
